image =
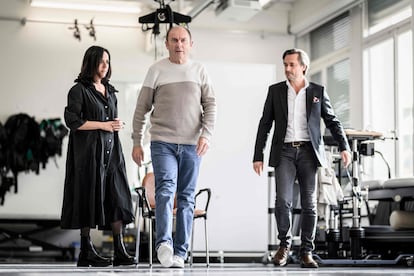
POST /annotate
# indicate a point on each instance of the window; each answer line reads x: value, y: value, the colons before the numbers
x: 330, y: 62
x: 388, y: 83
x: 382, y: 92
x: 379, y: 103
x: 332, y: 36
x: 405, y: 100
x: 316, y: 78
x: 338, y: 83
x: 384, y: 13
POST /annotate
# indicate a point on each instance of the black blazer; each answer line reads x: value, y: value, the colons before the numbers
x: 276, y: 110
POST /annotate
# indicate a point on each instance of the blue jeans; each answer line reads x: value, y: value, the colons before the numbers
x: 296, y: 163
x: 176, y: 170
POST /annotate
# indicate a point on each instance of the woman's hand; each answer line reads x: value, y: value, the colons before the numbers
x: 114, y: 125
x: 117, y: 124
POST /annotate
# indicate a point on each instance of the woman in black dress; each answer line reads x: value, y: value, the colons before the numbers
x: 96, y: 190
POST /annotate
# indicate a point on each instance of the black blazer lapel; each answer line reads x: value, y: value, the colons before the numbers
x: 284, y: 101
x: 309, y: 100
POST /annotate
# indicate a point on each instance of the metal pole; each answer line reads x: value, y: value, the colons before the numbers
x: 356, y: 233
x: 271, y: 235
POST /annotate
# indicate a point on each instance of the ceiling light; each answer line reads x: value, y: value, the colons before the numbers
x: 264, y: 2
x: 102, y: 6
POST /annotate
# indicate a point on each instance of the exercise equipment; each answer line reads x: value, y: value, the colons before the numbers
x: 20, y: 237
x: 360, y: 238
x: 357, y: 245
x: 271, y: 222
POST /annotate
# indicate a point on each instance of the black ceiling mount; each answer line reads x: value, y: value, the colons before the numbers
x: 163, y: 15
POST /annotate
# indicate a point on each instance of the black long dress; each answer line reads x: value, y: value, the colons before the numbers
x: 96, y: 191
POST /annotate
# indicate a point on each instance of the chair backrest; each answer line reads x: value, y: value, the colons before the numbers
x: 149, y: 184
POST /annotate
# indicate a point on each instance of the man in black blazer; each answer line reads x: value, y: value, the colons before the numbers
x: 296, y: 108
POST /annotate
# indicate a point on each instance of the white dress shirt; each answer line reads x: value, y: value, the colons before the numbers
x: 297, y: 127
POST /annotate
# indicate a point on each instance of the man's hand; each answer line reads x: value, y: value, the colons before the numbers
x: 138, y: 155
x: 202, y: 146
x: 258, y: 167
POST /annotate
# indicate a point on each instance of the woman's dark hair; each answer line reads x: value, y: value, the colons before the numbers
x: 90, y: 64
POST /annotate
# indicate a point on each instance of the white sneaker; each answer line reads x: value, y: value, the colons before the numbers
x: 165, y: 254
x: 178, y: 262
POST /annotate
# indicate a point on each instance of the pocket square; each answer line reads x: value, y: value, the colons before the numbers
x: 315, y: 100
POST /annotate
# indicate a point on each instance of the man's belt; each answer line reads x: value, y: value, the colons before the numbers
x: 297, y: 144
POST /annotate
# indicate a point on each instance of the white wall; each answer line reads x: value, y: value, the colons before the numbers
x: 238, y: 215
x: 41, y: 60
x: 306, y: 14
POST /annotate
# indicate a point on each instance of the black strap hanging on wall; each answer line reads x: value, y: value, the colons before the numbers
x: 25, y: 144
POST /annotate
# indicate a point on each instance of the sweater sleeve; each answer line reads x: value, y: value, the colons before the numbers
x: 208, y: 103
x: 143, y: 106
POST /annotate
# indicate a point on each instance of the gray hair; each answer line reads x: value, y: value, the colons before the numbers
x: 185, y: 28
x: 302, y: 57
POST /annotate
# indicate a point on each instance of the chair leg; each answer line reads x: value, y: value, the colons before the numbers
x: 137, y: 238
x: 206, y: 239
x: 150, y: 242
x: 192, y: 245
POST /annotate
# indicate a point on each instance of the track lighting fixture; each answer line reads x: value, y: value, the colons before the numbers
x: 91, y: 29
x: 76, y: 31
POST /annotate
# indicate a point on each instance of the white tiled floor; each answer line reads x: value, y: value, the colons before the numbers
x: 198, y: 270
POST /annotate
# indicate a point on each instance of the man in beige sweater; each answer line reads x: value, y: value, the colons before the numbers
x: 180, y: 99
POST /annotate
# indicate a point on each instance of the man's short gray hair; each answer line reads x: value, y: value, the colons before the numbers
x: 303, y: 57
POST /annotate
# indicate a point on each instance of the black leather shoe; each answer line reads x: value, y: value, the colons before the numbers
x: 89, y: 257
x: 281, y: 256
x: 307, y: 261
x: 121, y: 257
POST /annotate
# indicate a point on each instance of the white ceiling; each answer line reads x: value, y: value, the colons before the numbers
x: 186, y: 5
x: 273, y: 18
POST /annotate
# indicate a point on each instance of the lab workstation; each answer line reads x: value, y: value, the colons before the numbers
x: 206, y: 137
